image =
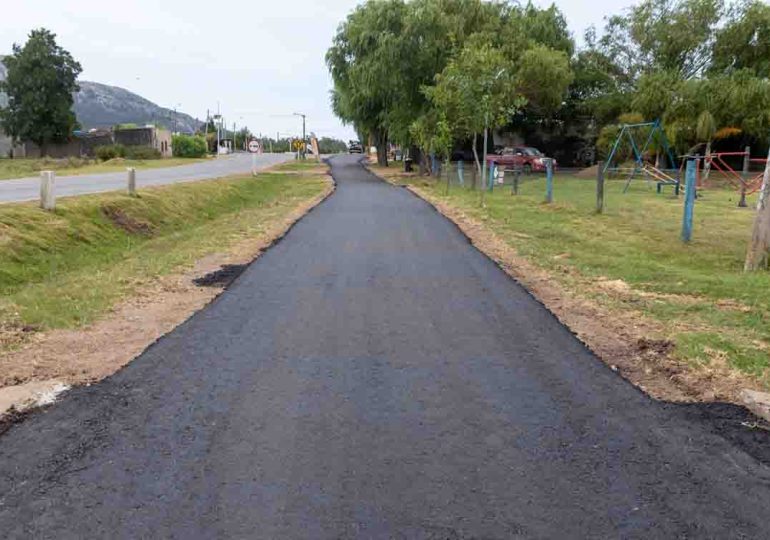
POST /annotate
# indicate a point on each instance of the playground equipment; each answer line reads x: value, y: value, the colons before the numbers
x: 744, y: 181
x: 642, y: 165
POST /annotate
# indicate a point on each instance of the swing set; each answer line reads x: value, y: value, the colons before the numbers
x: 641, y: 164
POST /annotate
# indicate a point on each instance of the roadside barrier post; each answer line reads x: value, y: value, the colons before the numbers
x: 745, y: 176
x: 461, y: 172
x: 131, y: 181
x: 548, y: 180
x: 600, y: 188
x: 689, y: 200
x: 47, y: 190
x: 516, y: 176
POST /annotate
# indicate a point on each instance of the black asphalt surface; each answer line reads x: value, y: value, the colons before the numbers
x: 374, y: 376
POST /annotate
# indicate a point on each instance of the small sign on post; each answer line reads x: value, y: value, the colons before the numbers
x: 254, y: 148
x: 47, y: 190
x: 131, y: 181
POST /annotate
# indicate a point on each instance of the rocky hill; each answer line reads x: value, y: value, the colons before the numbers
x: 100, y: 105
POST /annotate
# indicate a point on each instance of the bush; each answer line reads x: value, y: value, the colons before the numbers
x: 141, y: 152
x: 110, y: 151
x: 188, y: 146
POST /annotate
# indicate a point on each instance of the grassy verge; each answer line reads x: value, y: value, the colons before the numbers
x: 64, y: 269
x: 22, y: 168
x: 630, y: 259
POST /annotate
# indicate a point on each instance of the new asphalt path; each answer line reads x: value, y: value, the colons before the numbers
x: 28, y: 189
x: 373, y: 375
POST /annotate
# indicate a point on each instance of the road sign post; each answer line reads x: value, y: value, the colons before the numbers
x: 254, y: 148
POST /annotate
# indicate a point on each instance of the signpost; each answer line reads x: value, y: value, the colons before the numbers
x: 255, y: 148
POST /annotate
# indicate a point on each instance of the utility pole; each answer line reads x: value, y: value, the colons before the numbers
x: 235, y: 140
x: 304, y: 144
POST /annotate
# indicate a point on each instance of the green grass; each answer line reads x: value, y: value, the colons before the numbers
x: 637, y: 240
x: 23, y: 168
x: 63, y: 269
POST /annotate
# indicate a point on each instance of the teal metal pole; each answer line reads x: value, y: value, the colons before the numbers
x: 549, y: 180
x: 491, y: 174
x: 689, y: 200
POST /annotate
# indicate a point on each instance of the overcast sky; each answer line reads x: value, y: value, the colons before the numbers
x: 261, y: 60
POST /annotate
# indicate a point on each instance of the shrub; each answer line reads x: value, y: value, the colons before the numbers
x: 188, y: 146
x: 141, y: 152
x: 110, y: 151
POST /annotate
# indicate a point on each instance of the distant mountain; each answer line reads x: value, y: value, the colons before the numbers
x: 101, y: 105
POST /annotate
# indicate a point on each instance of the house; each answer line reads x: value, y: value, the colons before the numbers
x: 150, y: 136
x: 81, y: 144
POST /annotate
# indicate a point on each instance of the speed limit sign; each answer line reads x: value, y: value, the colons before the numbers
x: 254, y: 146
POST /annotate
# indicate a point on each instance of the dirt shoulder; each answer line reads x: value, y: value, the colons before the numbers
x: 56, y: 359
x: 626, y: 340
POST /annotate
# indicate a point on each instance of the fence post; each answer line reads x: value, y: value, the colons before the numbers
x: 745, y: 176
x: 131, y: 181
x: 447, y: 166
x: 689, y: 200
x: 600, y: 188
x: 491, y: 175
x: 548, y: 180
x: 461, y: 172
x: 516, y: 176
x: 47, y: 190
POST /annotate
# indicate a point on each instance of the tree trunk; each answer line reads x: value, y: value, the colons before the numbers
x: 707, y: 163
x: 476, y: 154
x: 759, y: 248
x: 381, y: 142
x: 43, y: 146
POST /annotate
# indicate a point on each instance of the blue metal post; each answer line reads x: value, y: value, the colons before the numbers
x: 433, y: 165
x: 460, y: 172
x: 689, y: 201
x: 548, y: 180
x: 491, y: 174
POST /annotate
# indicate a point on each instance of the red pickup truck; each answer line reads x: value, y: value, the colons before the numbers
x: 526, y: 158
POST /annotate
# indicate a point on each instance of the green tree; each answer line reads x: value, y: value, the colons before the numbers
x: 41, y: 78
x: 477, y: 90
x: 744, y: 41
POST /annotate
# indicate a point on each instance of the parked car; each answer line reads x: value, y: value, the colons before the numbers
x: 354, y: 147
x: 527, y: 158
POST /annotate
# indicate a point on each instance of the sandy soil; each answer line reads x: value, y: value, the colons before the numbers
x: 71, y: 357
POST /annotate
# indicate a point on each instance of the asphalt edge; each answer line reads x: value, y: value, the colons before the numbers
x: 13, y: 416
x: 713, y: 412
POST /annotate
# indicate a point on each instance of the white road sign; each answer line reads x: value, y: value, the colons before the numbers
x: 254, y: 146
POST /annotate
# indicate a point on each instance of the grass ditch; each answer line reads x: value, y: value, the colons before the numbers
x: 630, y: 261
x: 64, y: 269
x: 23, y: 168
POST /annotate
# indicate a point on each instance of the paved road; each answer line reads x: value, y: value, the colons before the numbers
x: 374, y: 376
x: 27, y: 189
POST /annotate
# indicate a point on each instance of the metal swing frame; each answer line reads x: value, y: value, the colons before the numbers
x: 661, y: 176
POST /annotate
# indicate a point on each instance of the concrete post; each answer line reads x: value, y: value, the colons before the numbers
x: 131, y: 181
x: 548, y: 180
x: 47, y: 190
